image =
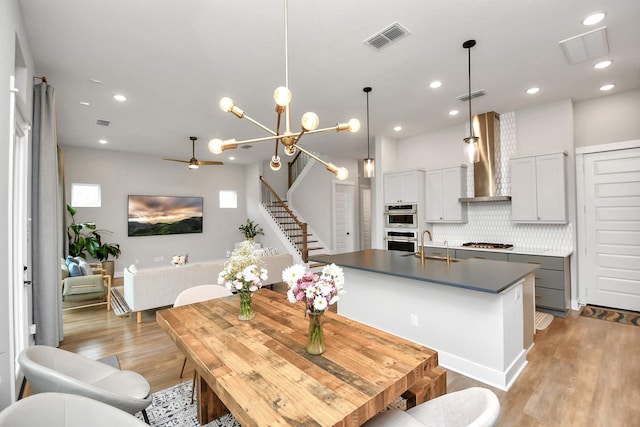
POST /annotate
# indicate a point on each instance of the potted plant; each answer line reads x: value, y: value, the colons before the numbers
x: 103, y: 253
x: 250, y: 229
x: 85, y: 239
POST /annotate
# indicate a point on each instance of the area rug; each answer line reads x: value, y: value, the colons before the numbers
x: 611, y: 315
x: 172, y: 407
x: 543, y: 320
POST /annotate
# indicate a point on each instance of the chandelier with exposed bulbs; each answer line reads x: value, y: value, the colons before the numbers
x: 309, y: 123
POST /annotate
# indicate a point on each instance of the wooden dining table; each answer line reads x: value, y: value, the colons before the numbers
x: 260, y: 371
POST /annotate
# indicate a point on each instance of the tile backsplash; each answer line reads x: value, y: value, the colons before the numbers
x: 491, y: 221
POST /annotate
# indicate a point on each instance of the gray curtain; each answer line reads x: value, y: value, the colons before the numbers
x: 45, y: 214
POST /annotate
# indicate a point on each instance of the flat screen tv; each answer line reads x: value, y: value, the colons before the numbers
x: 160, y: 215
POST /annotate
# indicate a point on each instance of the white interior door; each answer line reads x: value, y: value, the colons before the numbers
x: 612, y: 221
x: 343, y: 229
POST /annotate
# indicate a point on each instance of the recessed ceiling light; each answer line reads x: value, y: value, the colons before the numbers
x: 231, y: 158
x: 85, y: 103
x: 533, y: 90
x: 119, y: 97
x: 607, y: 87
x: 453, y: 112
x: 435, y: 84
x: 397, y: 128
x: 96, y: 81
x: 103, y: 141
x: 602, y: 64
x: 594, y: 18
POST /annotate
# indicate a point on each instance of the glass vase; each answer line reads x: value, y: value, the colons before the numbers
x: 315, y: 338
x: 246, y: 307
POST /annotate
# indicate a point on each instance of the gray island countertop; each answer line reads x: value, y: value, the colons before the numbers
x: 475, y: 274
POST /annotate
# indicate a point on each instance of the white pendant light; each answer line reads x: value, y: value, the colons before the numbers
x: 369, y: 164
x: 471, y: 151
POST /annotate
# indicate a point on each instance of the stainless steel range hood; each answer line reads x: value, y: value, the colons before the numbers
x: 487, y: 128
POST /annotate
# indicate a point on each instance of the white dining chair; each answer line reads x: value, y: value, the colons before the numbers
x: 65, y: 410
x: 191, y: 296
x: 472, y: 407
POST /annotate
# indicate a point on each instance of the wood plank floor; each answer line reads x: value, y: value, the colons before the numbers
x: 581, y: 371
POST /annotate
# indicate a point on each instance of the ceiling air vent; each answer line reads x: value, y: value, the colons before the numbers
x: 101, y: 122
x: 583, y: 47
x: 474, y: 94
x: 392, y: 33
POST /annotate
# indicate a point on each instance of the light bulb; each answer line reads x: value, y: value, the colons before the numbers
x: 226, y: 104
x: 216, y: 146
x: 354, y: 125
x: 193, y: 166
x: 282, y: 96
x: 342, y: 174
x: 310, y: 121
x: 275, y: 163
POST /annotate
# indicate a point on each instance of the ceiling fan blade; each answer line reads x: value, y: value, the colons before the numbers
x: 200, y: 163
x: 176, y: 160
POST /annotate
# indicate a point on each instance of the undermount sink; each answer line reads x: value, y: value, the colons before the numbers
x: 432, y: 258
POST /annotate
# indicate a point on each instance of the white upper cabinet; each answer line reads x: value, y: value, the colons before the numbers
x: 404, y: 187
x: 538, y: 189
x: 443, y: 188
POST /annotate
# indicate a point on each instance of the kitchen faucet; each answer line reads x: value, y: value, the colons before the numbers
x: 422, y: 243
x: 448, y: 257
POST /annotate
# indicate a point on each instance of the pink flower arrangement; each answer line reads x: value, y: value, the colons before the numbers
x: 318, y: 291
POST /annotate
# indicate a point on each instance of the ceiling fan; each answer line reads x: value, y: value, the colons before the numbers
x: 193, y: 162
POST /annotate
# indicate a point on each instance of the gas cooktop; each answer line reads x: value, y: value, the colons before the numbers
x: 488, y: 245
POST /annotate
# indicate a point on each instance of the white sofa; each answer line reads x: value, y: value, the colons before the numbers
x: 149, y: 288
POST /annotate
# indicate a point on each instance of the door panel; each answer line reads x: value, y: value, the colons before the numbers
x: 612, y: 212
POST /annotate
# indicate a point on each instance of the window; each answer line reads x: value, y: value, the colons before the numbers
x: 85, y: 195
x: 228, y: 199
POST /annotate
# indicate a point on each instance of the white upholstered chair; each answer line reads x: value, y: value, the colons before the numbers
x: 472, y: 407
x: 198, y: 294
x: 50, y: 369
x: 65, y: 410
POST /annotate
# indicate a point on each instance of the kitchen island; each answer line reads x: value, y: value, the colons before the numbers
x: 477, y: 314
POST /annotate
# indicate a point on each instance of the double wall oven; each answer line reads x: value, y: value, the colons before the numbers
x: 401, y: 227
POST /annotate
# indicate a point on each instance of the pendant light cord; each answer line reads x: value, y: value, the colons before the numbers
x: 470, y: 125
x: 368, y: 139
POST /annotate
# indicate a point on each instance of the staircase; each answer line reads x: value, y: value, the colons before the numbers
x: 295, y: 229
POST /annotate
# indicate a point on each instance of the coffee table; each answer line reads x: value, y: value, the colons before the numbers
x: 259, y: 369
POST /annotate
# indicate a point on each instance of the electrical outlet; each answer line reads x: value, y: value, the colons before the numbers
x: 156, y: 259
x: 414, y: 320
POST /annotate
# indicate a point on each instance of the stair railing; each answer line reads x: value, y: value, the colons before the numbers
x: 295, y: 166
x: 277, y: 207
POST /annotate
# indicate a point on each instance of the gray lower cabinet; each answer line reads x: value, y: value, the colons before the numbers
x: 553, y: 284
x: 498, y: 256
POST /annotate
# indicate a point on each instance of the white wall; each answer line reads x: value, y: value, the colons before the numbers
x: 11, y: 28
x: 122, y: 174
x: 608, y: 119
x: 312, y: 198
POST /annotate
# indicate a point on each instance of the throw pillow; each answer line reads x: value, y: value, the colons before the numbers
x: 71, y: 260
x: 74, y: 270
x: 85, y: 267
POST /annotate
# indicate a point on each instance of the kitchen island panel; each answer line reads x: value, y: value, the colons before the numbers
x: 478, y: 334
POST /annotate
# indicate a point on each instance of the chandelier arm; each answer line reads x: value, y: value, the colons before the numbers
x: 313, y: 156
x: 260, y: 125
x: 264, y: 138
x: 311, y: 132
